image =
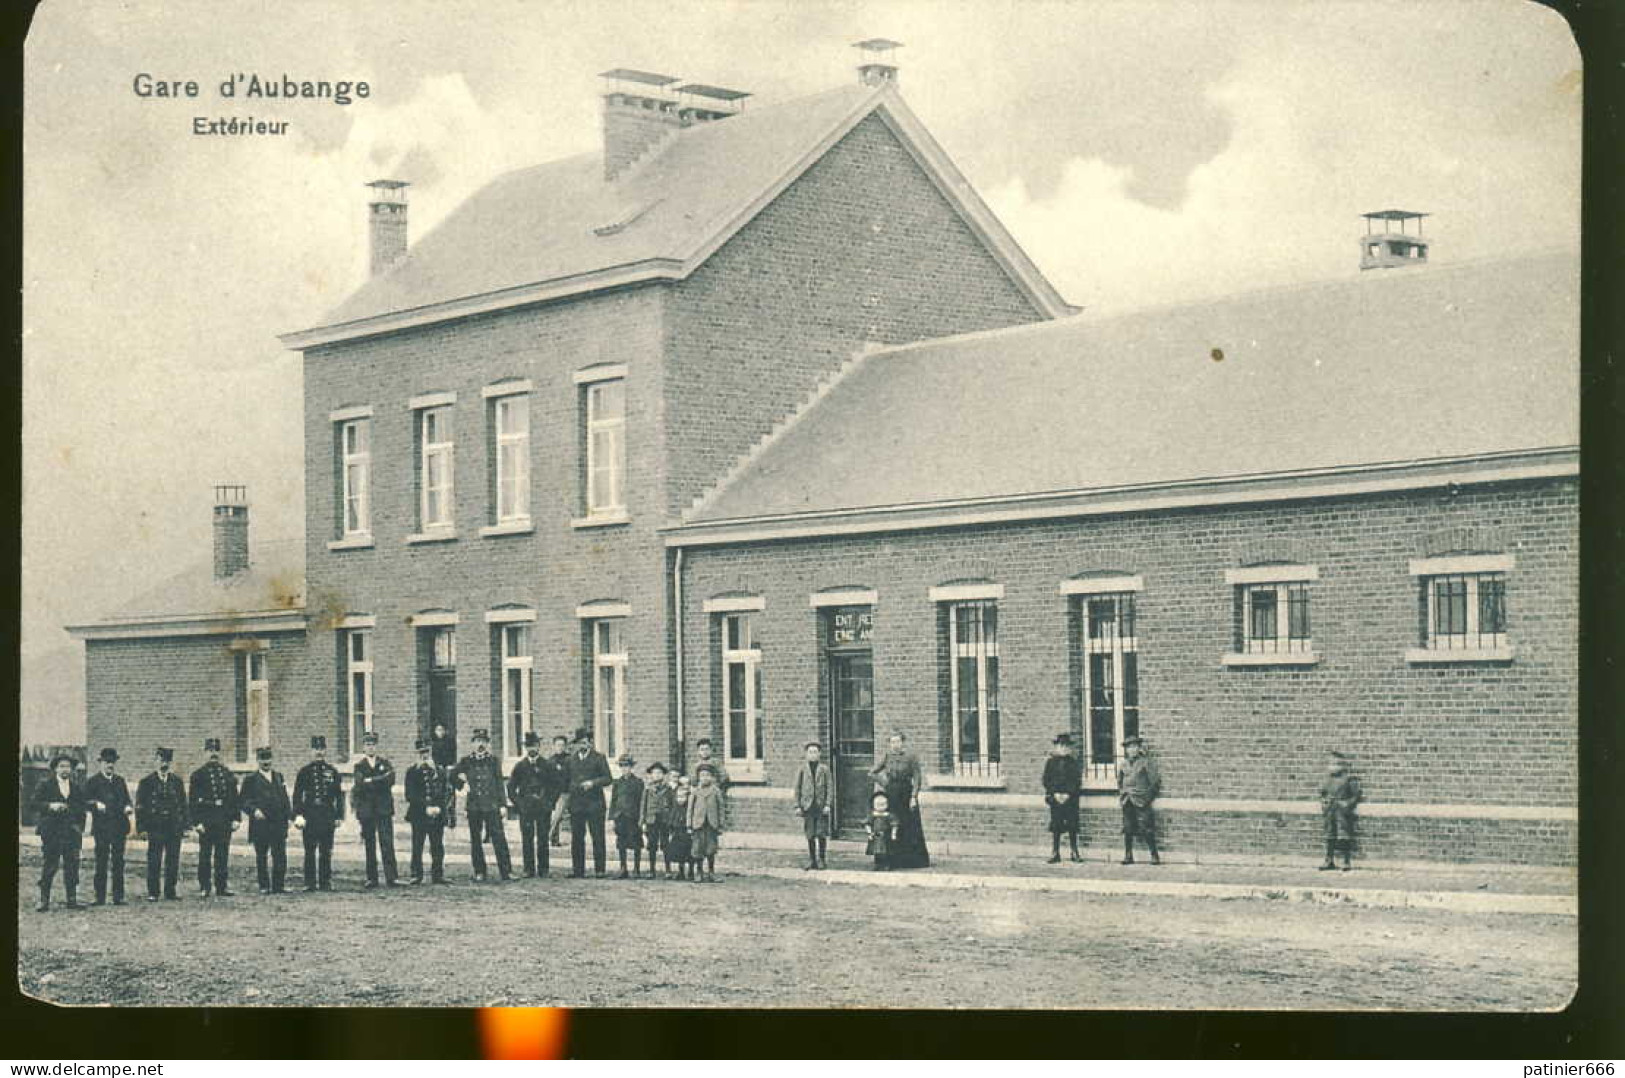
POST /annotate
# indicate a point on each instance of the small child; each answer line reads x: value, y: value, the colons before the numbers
x: 625, y: 808
x: 679, y: 846
x: 656, y: 816
x: 1063, y: 785
x: 882, y: 827
x: 1340, y: 794
x: 705, y: 822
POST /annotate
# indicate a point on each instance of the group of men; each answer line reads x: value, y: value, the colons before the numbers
x: 214, y: 804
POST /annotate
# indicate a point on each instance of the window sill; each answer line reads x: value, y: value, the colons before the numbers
x: 743, y: 773
x: 1459, y: 655
x: 512, y: 527
x: 351, y: 542
x: 438, y: 535
x: 601, y: 520
x: 1283, y: 658
x: 951, y: 781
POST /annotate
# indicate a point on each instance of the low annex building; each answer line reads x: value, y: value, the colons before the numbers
x: 758, y: 425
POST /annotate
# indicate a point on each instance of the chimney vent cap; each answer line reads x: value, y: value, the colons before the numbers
x: 647, y: 78
x: 230, y: 495
x: 877, y: 44
x: 716, y: 93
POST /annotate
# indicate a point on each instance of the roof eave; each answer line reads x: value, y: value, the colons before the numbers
x: 233, y: 624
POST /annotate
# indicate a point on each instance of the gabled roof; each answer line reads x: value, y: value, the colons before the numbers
x: 1477, y: 361
x: 560, y: 228
x: 267, y: 596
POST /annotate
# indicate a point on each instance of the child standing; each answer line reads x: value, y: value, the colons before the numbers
x: 1340, y: 794
x: 656, y: 814
x: 679, y: 847
x: 626, y: 809
x: 812, y: 795
x: 705, y: 821
x: 1063, y: 785
x: 882, y: 827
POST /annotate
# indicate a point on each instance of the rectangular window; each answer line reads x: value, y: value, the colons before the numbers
x: 358, y: 685
x: 606, y: 446
x: 741, y: 690
x: 973, y: 650
x: 435, y: 467
x: 515, y: 672
x: 257, y: 697
x: 1111, y: 681
x: 1464, y: 611
x: 355, y: 451
x: 609, y: 684
x: 1275, y: 619
x: 510, y: 422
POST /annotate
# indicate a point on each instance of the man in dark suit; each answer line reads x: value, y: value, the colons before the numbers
x: 481, y: 774
x: 533, y: 787
x: 588, y: 774
x: 110, y: 812
x: 60, y: 807
x: 428, y: 793
x: 212, y: 795
x: 443, y: 750
x: 374, y: 799
x: 160, y: 814
x: 318, y: 806
x: 265, y: 801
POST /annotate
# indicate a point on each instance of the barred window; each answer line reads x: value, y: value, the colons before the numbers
x: 1111, y: 681
x: 1275, y: 618
x: 973, y: 649
x: 1464, y: 611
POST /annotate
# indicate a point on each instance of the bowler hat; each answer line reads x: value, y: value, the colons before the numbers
x: 532, y: 738
x: 58, y: 757
x: 1063, y: 739
x: 626, y: 760
x: 583, y: 734
x: 421, y: 744
x: 211, y: 744
x: 263, y: 753
x: 1133, y: 739
x: 317, y: 741
x: 110, y: 755
x: 482, y: 734
x: 656, y: 766
x: 164, y: 754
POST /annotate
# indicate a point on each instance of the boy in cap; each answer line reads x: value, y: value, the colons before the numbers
x: 265, y: 801
x: 533, y: 787
x: 1063, y: 785
x: 626, y: 809
x: 160, y: 814
x: 705, y: 821
x: 110, y: 813
x: 480, y: 773
x: 374, y: 801
x: 212, y: 795
x: 428, y: 797
x: 318, y: 806
x: 1340, y: 795
x: 587, y: 775
x: 703, y: 758
x: 60, y: 806
x: 655, y: 815
x: 813, y: 802
x: 1138, y: 784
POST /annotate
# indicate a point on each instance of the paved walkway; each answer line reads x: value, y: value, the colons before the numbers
x: 1475, y: 888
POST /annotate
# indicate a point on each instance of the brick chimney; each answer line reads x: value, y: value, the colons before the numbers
x: 638, y: 115
x: 386, y: 223
x: 230, y: 531
x: 1392, y: 240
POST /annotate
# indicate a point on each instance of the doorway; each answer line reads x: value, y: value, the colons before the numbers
x: 852, y: 721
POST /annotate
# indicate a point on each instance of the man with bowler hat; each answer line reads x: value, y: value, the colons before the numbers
x: 160, y: 814
x: 533, y: 787
x: 588, y: 774
x: 265, y: 801
x: 60, y: 806
x: 1063, y: 785
x: 428, y: 797
x: 373, y: 798
x: 1138, y: 784
x: 481, y: 774
x: 110, y: 813
x: 212, y: 794
x: 318, y: 806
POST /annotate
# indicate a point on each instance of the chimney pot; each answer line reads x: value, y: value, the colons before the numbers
x: 230, y: 531
x: 386, y: 223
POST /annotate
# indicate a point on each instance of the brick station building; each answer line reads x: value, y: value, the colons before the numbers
x: 759, y: 425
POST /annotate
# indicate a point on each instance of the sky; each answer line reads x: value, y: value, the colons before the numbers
x: 1142, y: 153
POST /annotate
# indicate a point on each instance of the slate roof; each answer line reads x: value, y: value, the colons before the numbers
x: 274, y: 582
x: 1411, y: 364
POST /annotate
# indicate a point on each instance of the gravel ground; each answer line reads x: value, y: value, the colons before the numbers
x: 760, y: 942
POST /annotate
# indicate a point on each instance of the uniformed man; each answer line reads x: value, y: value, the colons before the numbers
x: 265, y: 802
x: 428, y: 793
x: 587, y: 776
x: 373, y: 798
x: 533, y: 787
x: 110, y: 813
x: 480, y: 773
x: 1063, y: 785
x: 443, y: 748
x: 60, y: 807
x: 212, y: 795
x: 318, y: 806
x: 1138, y: 784
x: 160, y: 814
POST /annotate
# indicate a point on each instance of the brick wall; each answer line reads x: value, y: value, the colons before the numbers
x: 1498, y: 734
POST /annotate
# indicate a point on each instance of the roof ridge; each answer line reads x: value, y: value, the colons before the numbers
x: 778, y: 430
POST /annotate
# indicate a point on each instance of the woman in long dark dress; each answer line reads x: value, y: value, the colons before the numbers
x: 900, y: 777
